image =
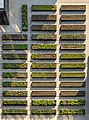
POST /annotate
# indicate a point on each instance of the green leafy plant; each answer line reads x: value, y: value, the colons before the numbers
x: 72, y: 112
x: 14, y: 112
x: 72, y: 102
x: 43, y: 102
x: 14, y: 102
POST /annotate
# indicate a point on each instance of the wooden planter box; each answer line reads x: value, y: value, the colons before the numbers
x: 72, y: 84
x: 15, y: 84
x: 43, y: 56
x: 73, y: 17
x: 14, y: 56
x: 73, y: 46
x: 72, y: 93
x: 43, y: 84
x: 51, y: 37
x: 16, y: 37
x: 72, y: 75
x: 73, y: 27
x: 73, y: 37
x: 43, y: 93
x: 43, y: 28
x: 72, y: 56
x: 43, y: 7
x: 43, y: 47
x: 73, y: 7
x: 43, y: 17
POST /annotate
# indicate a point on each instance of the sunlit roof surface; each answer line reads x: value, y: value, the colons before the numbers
x: 1, y: 3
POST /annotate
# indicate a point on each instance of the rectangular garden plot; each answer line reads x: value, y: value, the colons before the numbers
x: 17, y: 37
x: 72, y: 65
x: 72, y: 74
x: 43, y: 17
x: 43, y: 102
x: 43, y: 112
x: 73, y: 27
x: 72, y: 84
x: 14, y: 56
x: 73, y: 17
x: 14, y: 46
x: 51, y: 37
x: 14, y: 84
x: 43, y: 93
x: 72, y: 46
x: 43, y: 28
x: 72, y: 93
x: 73, y: 37
x: 43, y: 56
x: 43, y: 84
x: 14, y: 102
x: 14, y: 112
x: 14, y: 93
x: 43, y: 75
x: 72, y: 56
x: 73, y: 7
x: 43, y: 8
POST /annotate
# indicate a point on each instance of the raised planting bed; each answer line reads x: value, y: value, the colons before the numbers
x: 70, y: 93
x: 43, y: 28
x: 14, y: 93
x: 43, y: 93
x: 72, y: 84
x: 43, y: 17
x: 14, y: 112
x: 43, y: 102
x: 44, y: 84
x: 14, y: 84
x: 43, y: 74
x: 14, y: 46
x: 43, y: 65
x: 73, y: 17
x: 51, y: 37
x: 73, y: 7
x: 72, y: 65
x: 43, y: 112
x: 73, y: 46
x: 72, y: 112
x: 14, y: 37
x: 72, y: 56
x: 72, y: 102
x: 73, y: 37
x: 43, y: 47
x: 24, y: 18
x: 43, y: 56
x: 14, y: 56
x: 73, y: 27
x: 72, y: 74
x: 43, y: 8
x: 14, y: 65
x: 14, y: 102
x: 14, y: 75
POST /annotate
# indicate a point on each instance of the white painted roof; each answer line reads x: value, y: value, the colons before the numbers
x: 1, y: 3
